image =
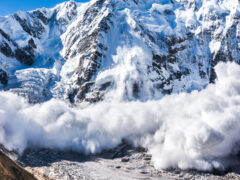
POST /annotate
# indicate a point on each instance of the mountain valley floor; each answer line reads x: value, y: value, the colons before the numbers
x: 125, y: 162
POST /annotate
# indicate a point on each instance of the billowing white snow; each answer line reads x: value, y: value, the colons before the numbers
x: 196, y: 130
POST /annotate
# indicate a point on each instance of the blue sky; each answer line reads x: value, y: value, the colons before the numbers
x: 11, y: 6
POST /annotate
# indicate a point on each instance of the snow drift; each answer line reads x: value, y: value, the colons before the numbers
x: 196, y: 130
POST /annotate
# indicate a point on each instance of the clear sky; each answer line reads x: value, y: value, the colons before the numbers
x: 11, y: 6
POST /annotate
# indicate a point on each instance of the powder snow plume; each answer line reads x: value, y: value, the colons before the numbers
x: 197, y: 130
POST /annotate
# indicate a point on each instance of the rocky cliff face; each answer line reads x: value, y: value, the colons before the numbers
x: 112, y: 49
x: 10, y: 170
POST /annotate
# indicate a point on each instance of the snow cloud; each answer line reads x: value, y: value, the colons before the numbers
x: 196, y: 130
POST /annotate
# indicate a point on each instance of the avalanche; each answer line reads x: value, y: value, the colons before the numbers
x: 197, y: 130
x: 86, y: 76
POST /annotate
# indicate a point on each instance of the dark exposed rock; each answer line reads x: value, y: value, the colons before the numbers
x: 6, y: 50
x: 72, y: 95
x: 159, y: 59
x: 3, y: 77
x: 213, y: 76
x: 24, y: 57
x: 105, y: 86
x: 177, y: 75
x: 136, y: 90
x: 31, y: 43
x: 38, y: 14
x: 83, y: 90
x: 202, y: 74
x: 23, y: 23
x: 5, y: 35
x: 36, y: 29
x: 125, y: 159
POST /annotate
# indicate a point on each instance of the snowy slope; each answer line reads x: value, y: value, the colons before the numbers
x: 36, y: 34
x: 122, y: 50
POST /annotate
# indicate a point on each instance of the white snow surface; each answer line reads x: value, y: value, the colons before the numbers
x: 189, y: 130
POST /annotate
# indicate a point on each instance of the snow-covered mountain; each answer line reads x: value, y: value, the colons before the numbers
x: 117, y: 49
x: 120, y: 51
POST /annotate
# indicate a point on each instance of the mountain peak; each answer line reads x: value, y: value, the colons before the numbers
x: 76, y: 49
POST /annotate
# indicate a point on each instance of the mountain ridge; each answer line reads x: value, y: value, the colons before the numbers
x: 74, y: 51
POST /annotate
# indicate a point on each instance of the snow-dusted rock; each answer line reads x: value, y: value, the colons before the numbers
x: 122, y: 50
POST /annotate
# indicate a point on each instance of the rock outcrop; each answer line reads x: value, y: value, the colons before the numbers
x: 3, y: 77
x: 10, y: 170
